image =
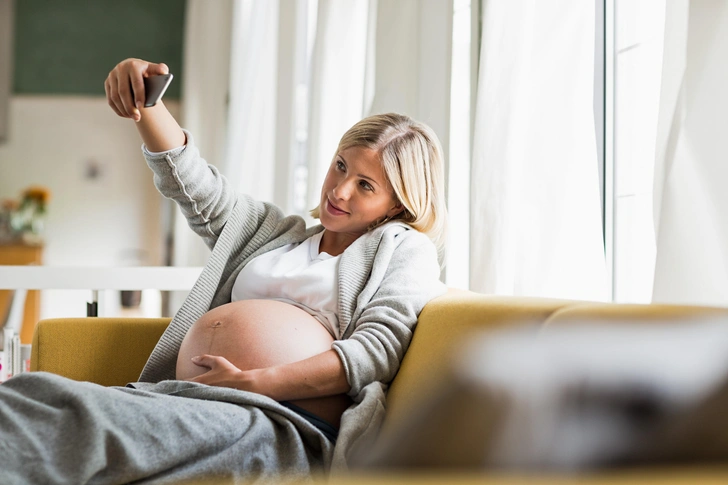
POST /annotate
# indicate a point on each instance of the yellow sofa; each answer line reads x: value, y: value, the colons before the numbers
x: 112, y: 351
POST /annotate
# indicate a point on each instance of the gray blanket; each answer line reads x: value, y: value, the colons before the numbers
x: 54, y: 430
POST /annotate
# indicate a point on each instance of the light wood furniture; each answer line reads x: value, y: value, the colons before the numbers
x: 15, y: 255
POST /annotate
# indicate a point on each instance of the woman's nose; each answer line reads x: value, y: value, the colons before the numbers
x: 342, y: 190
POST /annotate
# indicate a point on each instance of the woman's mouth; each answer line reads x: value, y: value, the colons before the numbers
x: 333, y: 210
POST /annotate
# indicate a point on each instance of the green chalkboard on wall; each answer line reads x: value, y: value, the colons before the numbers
x: 69, y: 46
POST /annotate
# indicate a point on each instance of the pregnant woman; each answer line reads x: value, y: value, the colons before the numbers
x: 278, y: 360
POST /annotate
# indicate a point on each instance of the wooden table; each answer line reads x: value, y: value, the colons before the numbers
x: 16, y: 254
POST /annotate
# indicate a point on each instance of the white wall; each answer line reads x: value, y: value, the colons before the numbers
x: 104, y: 221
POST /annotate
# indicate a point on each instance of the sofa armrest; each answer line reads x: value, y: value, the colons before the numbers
x: 107, y: 351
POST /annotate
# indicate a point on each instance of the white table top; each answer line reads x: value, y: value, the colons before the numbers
x: 165, y: 278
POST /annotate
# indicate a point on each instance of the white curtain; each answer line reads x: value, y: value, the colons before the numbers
x: 412, y: 62
x: 336, y: 96
x: 535, y: 210
x: 205, y: 83
x: 250, y: 155
x: 690, y: 198
x: 229, y: 100
x: 373, y: 57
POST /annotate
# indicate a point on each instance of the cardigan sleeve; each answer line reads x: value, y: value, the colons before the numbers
x: 383, y: 331
x: 203, y: 194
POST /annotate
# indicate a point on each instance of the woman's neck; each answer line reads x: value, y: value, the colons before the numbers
x: 335, y: 243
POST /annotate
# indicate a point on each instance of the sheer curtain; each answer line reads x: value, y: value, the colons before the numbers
x: 690, y: 199
x: 373, y: 57
x: 336, y: 96
x: 250, y: 150
x: 229, y: 99
x: 205, y: 84
x: 413, y: 51
x: 535, y: 210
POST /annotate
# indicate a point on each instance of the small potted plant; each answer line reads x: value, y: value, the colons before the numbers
x: 26, y: 219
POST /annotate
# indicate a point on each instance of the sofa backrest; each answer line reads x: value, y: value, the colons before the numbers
x: 107, y: 351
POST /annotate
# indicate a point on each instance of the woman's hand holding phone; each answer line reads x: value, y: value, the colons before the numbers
x: 125, y: 90
x: 127, y: 96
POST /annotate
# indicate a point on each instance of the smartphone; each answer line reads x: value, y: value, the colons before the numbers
x: 154, y: 87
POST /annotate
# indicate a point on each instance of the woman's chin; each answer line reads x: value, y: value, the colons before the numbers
x: 332, y: 225
x: 341, y: 226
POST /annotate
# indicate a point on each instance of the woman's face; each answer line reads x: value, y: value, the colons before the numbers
x: 356, y: 192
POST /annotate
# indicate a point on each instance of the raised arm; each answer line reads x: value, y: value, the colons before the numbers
x: 125, y: 94
x: 202, y: 193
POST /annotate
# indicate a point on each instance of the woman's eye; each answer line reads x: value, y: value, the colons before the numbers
x: 366, y: 185
x: 340, y: 165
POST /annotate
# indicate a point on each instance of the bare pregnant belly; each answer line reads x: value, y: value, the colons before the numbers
x: 253, y: 334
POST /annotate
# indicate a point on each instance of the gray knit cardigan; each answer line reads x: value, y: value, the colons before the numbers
x: 385, y: 277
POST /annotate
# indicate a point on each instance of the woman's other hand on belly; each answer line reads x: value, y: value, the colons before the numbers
x: 270, y: 348
x: 317, y: 384
x: 218, y: 371
x: 317, y: 376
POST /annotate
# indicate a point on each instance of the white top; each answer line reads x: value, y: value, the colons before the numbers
x: 297, y: 274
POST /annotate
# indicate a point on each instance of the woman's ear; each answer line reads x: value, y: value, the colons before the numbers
x: 396, y: 210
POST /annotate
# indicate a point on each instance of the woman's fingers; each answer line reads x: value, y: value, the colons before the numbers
x: 210, y: 361
x: 202, y: 361
x: 157, y: 69
x: 110, y: 97
x: 138, y: 95
x: 220, y: 372
x: 124, y: 86
x: 114, y: 95
x: 114, y: 99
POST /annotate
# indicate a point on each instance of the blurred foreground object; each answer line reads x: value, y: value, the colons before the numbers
x: 574, y: 397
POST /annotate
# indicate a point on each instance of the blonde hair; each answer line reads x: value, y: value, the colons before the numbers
x: 413, y: 163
